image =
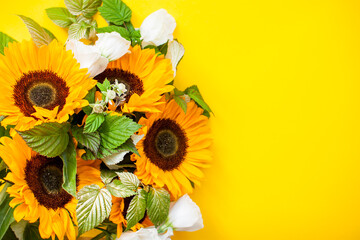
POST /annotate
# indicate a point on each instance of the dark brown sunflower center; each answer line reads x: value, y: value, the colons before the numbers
x: 41, y: 89
x: 42, y: 94
x: 51, y: 177
x: 132, y: 82
x: 44, y: 177
x: 165, y: 144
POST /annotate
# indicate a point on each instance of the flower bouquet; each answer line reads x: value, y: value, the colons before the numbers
x: 94, y: 134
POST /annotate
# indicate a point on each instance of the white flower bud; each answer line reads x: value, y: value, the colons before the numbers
x: 157, y: 28
x: 185, y: 215
x: 98, y: 108
x: 111, y: 94
x: 112, y: 45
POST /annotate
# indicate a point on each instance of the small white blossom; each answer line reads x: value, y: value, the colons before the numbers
x: 157, y: 28
x: 120, y: 88
x: 98, y: 107
x: 111, y: 94
x: 149, y: 233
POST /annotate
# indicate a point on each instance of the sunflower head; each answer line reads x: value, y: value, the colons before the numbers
x: 145, y: 75
x: 40, y: 84
x: 174, y: 148
x: 37, y: 188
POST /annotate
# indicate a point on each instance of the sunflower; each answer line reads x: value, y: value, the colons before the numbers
x: 145, y: 76
x: 37, y: 190
x: 40, y: 84
x: 118, y: 212
x: 174, y: 148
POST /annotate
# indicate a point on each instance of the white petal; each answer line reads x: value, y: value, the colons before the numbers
x: 88, y: 57
x: 185, y: 215
x: 112, y: 45
x: 149, y: 233
x: 167, y: 234
x: 158, y: 27
x: 175, y: 53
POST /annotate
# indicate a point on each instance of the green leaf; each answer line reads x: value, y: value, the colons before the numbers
x: 7, y: 217
x: 104, y: 86
x: 9, y: 235
x: 69, y: 168
x: 181, y: 102
x: 163, y: 48
x: 118, y: 189
x: 122, y: 31
x: 115, y: 11
x: 194, y: 93
x: 78, y: 30
x: 87, y: 8
x: 136, y: 210
x: 93, y: 122
x: 38, y: 34
x: 130, y: 180
x: 89, y: 140
x: 158, y: 205
x: 90, y: 97
x: 4, y: 41
x: 93, y: 207
x: 107, y: 176
x: 3, y: 193
x: 116, y: 130
x: 48, y: 139
x: 32, y: 231
x: 61, y: 16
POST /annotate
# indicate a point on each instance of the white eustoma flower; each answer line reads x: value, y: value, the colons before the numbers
x: 167, y: 234
x: 112, y: 45
x: 88, y: 57
x: 149, y: 233
x: 157, y: 28
x: 109, y: 47
x: 175, y: 53
x: 185, y: 215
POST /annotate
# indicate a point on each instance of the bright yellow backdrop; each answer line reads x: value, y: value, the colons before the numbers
x: 283, y: 78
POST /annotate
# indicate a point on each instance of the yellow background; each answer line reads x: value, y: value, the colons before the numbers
x: 283, y: 79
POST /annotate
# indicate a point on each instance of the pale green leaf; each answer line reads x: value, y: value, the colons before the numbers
x: 19, y: 228
x: 77, y: 31
x: 6, y: 213
x: 90, y: 97
x: 4, y: 41
x: 116, y: 130
x: 48, y: 139
x: 61, y: 16
x: 93, y: 122
x: 118, y: 189
x: 136, y: 210
x: 130, y: 180
x: 158, y: 205
x: 107, y: 176
x: 93, y: 207
x: 88, y: 8
x: 3, y: 193
x: 115, y: 11
x: 38, y: 34
x: 89, y: 140
x: 69, y: 168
